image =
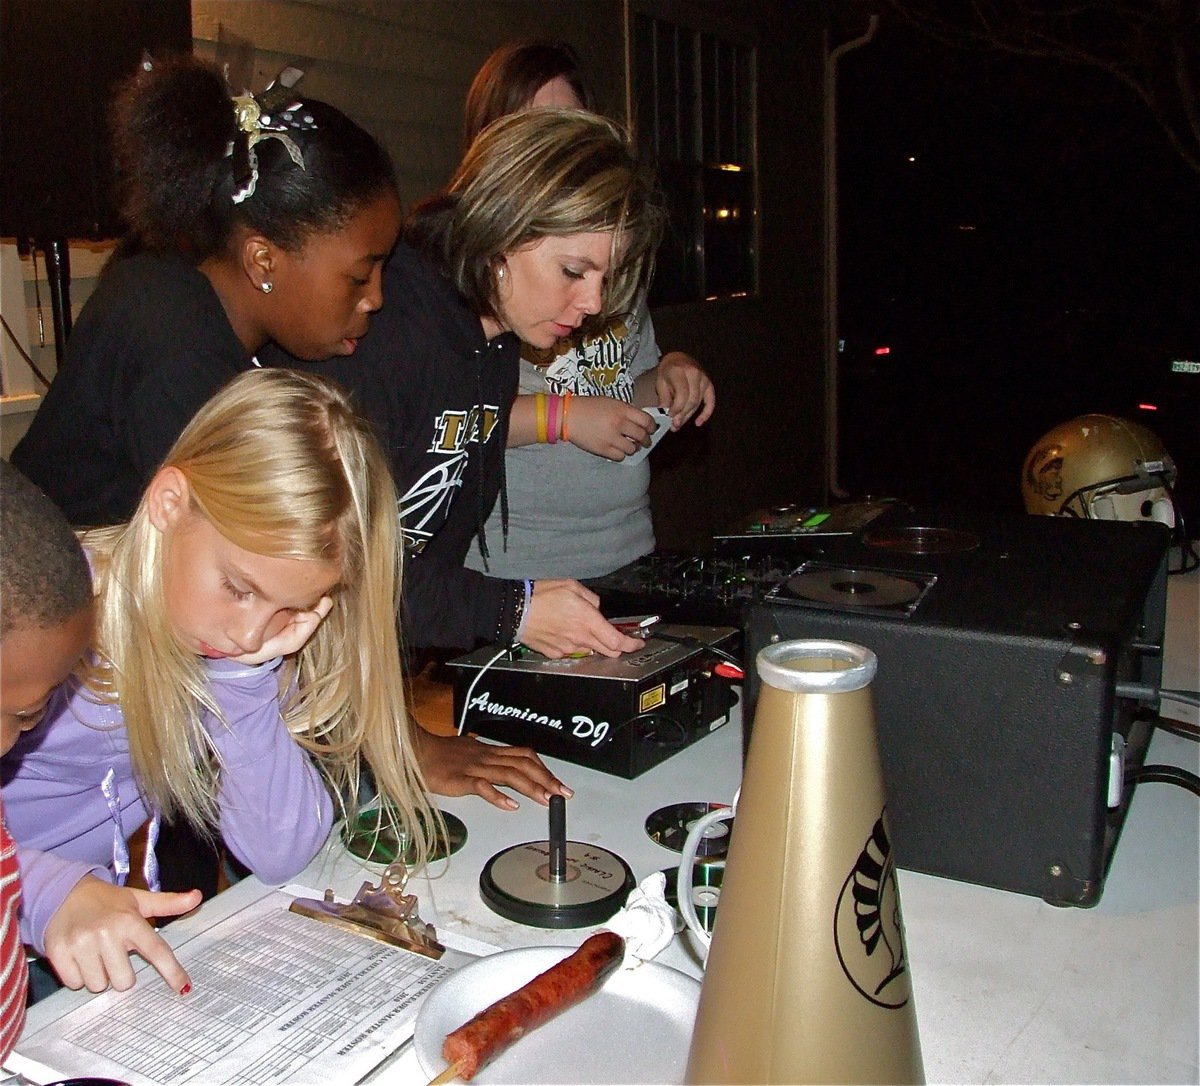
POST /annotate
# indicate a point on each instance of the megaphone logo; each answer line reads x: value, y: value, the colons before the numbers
x: 868, y: 929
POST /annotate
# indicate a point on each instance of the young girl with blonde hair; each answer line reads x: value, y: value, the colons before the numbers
x: 246, y: 672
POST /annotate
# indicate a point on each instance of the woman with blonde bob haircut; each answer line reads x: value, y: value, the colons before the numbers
x: 550, y: 221
x: 555, y: 173
x: 576, y: 506
x: 246, y: 669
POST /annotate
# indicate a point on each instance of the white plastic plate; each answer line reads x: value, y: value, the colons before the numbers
x: 636, y: 1028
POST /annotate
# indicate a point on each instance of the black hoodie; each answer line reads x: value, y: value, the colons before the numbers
x: 439, y: 395
x: 151, y: 345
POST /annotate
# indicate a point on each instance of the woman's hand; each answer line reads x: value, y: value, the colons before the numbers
x: 683, y: 388
x: 463, y: 766
x: 564, y: 618
x: 98, y: 925
x: 292, y: 637
x: 607, y: 427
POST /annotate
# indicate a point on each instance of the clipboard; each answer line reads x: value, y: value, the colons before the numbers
x: 384, y: 912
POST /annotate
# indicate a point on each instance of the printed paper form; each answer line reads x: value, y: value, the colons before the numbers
x: 277, y: 998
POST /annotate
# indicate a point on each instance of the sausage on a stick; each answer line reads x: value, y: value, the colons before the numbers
x: 491, y: 1031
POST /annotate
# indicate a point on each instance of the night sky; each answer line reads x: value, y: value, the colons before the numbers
x: 1027, y: 243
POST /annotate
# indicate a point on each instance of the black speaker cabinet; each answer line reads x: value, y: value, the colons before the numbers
x: 1019, y: 668
x: 61, y: 59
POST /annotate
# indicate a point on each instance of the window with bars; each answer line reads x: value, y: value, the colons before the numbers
x: 694, y: 108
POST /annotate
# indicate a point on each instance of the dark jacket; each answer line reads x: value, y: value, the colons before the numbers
x: 439, y: 395
x: 150, y: 348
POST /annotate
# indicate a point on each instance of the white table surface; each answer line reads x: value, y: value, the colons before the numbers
x: 1007, y: 988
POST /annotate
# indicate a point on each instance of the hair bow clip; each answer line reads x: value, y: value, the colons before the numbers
x: 269, y: 115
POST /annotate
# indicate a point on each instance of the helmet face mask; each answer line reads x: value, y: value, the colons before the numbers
x: 1100, y: 467
x: 1152, y: 503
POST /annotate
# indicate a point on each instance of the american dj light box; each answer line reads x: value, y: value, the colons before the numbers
x: 620, y: 716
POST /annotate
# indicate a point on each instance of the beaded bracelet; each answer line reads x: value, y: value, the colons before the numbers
x: 521, y: 595
x: 510, y: 613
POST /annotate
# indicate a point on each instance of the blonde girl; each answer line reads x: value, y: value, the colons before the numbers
x: 247, y: 670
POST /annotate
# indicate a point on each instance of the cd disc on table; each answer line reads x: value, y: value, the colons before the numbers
x: 367, y: 840
x: 519, y: 884
x: 706, y: 890
x: 669, y: 826
x: 852, y: 587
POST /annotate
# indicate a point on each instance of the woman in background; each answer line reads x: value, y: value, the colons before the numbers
x: 574, y: 509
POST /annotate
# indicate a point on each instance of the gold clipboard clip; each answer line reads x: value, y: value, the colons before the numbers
x: 384, y: 912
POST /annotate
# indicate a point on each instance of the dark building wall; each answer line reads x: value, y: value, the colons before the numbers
x: 402, y: 67
x: 765, y: 444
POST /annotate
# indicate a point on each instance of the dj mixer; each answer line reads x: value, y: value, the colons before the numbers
x: 621, y: 716
x: 745, y: 564
x: 707, y: 590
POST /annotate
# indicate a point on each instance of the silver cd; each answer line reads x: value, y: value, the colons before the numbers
x: 852, y: 587
x: 669, y: 826
x: 517, y: 883
x: 706, y: 890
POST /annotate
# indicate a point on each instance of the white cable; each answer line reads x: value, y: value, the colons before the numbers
x: 462, y: 720
x: 687, y: 860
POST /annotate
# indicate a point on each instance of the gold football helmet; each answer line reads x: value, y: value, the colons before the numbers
x: 1100, y: 467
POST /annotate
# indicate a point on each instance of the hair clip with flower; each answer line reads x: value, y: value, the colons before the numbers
x: 269, y: 115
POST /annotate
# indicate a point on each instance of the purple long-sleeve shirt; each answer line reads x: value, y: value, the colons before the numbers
x: 275, y: 812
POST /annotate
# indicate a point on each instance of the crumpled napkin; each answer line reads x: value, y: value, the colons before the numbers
x: 647, y: 922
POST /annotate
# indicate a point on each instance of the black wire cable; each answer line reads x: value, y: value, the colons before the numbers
x: 22, y: 352
x: 1183, y: 697
x: 1180, y: 728
x: 696, y: 643
x: 1188, y: 558
x: 1166, y: 774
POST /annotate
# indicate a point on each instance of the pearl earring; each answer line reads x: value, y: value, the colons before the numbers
x: 267, y: 288
x: 500, y: 272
